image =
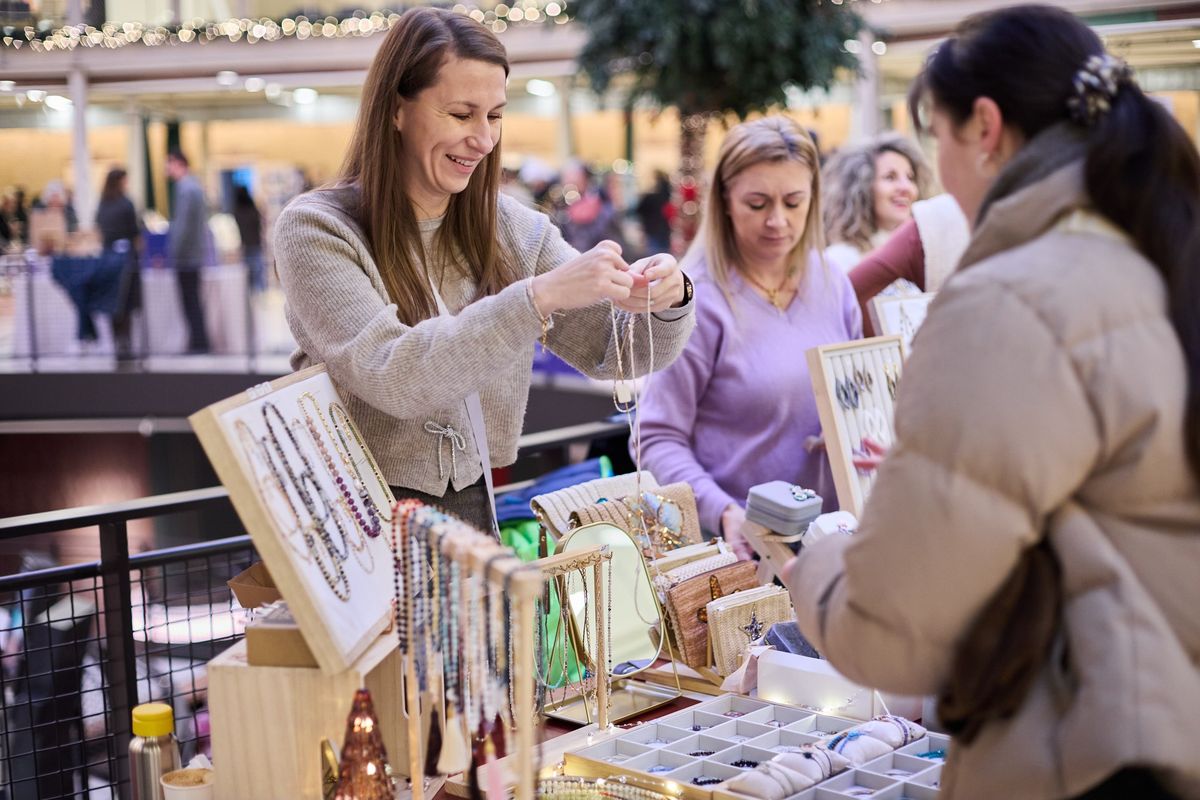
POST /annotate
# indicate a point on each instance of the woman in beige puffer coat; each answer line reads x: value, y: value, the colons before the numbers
x: 1054, y: 397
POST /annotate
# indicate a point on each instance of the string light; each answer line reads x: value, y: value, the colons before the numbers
x: 115, y: 35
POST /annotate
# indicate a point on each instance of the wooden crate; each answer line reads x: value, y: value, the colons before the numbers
x: 268, y: 722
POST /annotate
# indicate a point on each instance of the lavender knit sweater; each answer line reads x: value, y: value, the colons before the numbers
x: 736, y: 407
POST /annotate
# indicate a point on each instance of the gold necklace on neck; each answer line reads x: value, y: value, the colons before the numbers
x: 773, y: 295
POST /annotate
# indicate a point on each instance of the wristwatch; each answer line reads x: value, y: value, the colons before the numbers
x: 688, y: 291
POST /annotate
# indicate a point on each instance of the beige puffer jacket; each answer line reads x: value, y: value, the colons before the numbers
x: 1045, y: 398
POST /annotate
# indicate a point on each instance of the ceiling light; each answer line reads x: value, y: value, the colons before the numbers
x: 304, y: 96
x: 227, y: 77
x: 1195, y: 42
x: 255, y: 84
x: 36, y: 95
x: 57, y: 102
x: 7, y: 86
x: 273, y: 90
x: 879, y: 48
x: 852, y: 46
x: 540, y: 88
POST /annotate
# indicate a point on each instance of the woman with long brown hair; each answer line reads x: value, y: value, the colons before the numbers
x: 423, y: 289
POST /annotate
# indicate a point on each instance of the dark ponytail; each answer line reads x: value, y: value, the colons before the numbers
x: 1142, y: 171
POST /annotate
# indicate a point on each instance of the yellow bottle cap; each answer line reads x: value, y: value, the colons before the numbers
x: 153, y: 719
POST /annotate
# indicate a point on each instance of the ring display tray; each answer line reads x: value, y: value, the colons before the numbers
x: 691, y: 753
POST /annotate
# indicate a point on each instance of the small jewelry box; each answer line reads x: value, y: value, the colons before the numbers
x: 782, y: 507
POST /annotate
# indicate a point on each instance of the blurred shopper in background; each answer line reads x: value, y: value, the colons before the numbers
x: 185, y: 246
x: 923, y: 251
x: 653, y: 212
x: 587, y: 216
x: 1031, y: 545
x: 121, y: 234
x: 8, y: 228
x: 250, y: 225
x: 737, y: 407
x: 869, y: 192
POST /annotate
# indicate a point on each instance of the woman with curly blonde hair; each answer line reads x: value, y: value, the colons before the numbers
x: 869, y: 193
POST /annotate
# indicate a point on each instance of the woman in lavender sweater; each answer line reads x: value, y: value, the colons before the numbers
x: 737, y: 407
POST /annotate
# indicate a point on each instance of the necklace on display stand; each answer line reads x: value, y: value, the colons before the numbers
x: 258, y: 456
x: 455, y: 753
x: 354, y: 493
x: 333, y: 573
x: 351, y: 532
x: 306, y: 476
x: 341, y: 420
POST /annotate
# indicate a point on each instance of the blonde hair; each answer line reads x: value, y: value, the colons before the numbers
x: 850, y: 187
x: 771, y: 139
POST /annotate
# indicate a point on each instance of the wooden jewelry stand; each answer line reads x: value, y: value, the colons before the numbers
x: 480, y: 554
x: 268, y: 722
x: 854, y: 384
x: 773, y: 549
x: 516, y: 766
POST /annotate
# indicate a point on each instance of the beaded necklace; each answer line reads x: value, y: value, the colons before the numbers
x: 400, y: 602
x: 342, y: 421
x: 306, y: 475
x: 354, y: 536
x: 334, y: 574
x: 354, y: 492
x: 256, y: 453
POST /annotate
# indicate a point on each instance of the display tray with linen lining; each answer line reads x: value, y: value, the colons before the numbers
x: 740, y: 748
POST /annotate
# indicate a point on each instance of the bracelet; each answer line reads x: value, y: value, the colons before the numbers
x: 546, y: 320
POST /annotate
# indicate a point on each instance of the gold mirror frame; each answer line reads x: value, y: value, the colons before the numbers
x: 629, y: 697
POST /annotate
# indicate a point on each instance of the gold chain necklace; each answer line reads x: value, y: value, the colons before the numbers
x: 772, y: 294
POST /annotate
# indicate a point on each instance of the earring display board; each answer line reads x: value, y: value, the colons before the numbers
x: 314, y: 503
x: 855, y: 387
x: 900, y: 316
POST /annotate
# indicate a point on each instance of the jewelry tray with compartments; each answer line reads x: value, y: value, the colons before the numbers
x: 691, y: 753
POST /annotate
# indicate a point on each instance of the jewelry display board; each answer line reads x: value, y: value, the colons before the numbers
x: 314, y: 503
x: 900, y: 316
x: 855, y: 388
x: 692, y: 753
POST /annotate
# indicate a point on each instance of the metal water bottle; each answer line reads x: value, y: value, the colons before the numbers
x: 153, y: 750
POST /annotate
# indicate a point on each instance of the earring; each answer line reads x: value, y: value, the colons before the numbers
x: 982, y: 162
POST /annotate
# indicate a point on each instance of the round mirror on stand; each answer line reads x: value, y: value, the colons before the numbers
x: 636, y: 620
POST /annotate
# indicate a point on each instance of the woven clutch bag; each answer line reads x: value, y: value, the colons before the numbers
x: 734, y: 622
x: 687, y: 606
x: 669, y: 513
x: 665, y: 580
x: 553, y: 510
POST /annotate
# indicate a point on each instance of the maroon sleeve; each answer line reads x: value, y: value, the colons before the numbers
x: 901, y: 256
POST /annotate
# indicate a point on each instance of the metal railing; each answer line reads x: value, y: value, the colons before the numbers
x: 83, y: 644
